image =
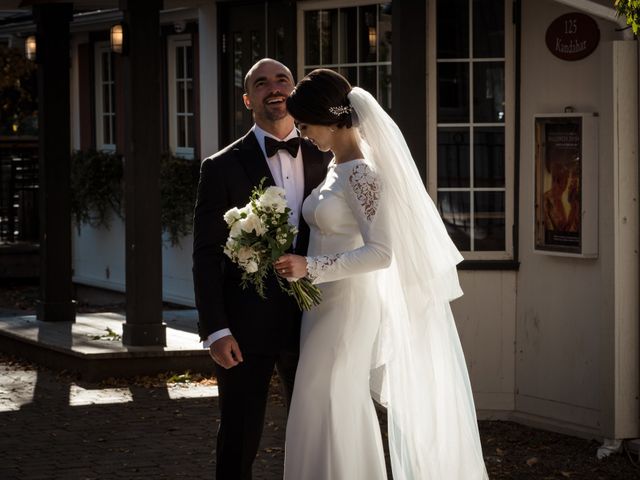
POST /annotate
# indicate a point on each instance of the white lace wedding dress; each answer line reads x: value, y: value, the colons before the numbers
x: 332, y: 431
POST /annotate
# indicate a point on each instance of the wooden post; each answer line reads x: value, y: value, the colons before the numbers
x: 52, y: 22
x: 141, y: 78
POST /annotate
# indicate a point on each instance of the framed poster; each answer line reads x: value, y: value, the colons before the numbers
x: 566, y: 185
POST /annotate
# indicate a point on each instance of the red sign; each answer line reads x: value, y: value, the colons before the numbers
x: 573, y: 36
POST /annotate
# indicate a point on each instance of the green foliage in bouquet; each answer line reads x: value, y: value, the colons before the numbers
x: 96, y: 187
x: 630, y: 9
x: 178, y: 188
x: 259, y: 234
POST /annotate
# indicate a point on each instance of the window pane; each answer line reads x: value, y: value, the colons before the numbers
x: 182, y: 133
x: 350, y: 73
x: 312, y: 37
x: 453, y: 157
x: 488, y: 28
x: 257, y: 50
x: 384, y: 87
x: 488, y: 157
x: 279, y: 44
x: 349, y: 35
x: 237, y: 64
x: 368, y: 33
x: 105, y: 66
x: 189, y: 96
x: 384, y: 33
x: 189, y: 54
x: 488, y: 92
x: 191, y: 130
x: 106, y: 101
x: 453, y: 92
x: 179, y: 62
x: 489, y: 221
x: 106, y: 130
x: 329, y: 36
x: 180, y: 96
x: 368, y: 80
x: 452, y: 25
x: 238, y: 80
x: 455, y: 212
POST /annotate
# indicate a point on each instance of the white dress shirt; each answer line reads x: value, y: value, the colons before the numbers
x: 288, y: 173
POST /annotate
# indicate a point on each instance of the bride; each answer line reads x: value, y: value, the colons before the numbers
x: 387, y: 270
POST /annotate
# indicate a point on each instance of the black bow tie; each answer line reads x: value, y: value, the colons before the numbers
x: 271, y: 146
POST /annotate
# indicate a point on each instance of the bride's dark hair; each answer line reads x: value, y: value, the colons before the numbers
x: 320, y: 98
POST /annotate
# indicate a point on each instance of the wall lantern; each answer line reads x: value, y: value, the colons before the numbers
x: 30, y: 47
x: 117, y: 38
x: 373, y: 38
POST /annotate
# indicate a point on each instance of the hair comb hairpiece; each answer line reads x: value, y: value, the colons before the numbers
x: 341, y: 110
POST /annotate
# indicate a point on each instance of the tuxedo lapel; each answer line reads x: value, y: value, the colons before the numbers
x: 253, y: 161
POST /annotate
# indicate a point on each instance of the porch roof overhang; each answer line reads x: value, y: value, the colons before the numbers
x: 90, y: 15
x: 16, y: 18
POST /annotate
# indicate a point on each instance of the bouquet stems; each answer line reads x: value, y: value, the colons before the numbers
x: 306, y: 293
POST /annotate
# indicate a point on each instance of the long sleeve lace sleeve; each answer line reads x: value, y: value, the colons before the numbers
x: 364, y: 195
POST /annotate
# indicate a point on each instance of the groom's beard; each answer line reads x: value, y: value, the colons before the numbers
x: 274, y: 115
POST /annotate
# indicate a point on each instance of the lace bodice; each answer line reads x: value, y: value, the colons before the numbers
x: 348, y: 229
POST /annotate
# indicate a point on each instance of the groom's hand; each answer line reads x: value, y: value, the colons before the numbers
x: 226, y: 352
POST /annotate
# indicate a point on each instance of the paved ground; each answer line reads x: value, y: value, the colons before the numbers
x: 53, y: 426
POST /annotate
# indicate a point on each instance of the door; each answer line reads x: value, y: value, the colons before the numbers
x: 250, y: 31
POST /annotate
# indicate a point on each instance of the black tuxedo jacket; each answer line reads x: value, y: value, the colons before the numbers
x: 226, y: 181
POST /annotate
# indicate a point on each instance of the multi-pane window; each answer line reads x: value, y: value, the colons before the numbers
x: 181, y: 96
x: 355, y: 41
x: 472, y: 123
x: 105, y: 98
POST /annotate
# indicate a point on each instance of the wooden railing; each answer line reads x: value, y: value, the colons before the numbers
x: 19, y: 189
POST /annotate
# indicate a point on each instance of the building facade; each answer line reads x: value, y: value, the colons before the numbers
x: 523, y: 119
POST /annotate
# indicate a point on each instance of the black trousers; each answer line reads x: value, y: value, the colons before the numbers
x: 243, y: 392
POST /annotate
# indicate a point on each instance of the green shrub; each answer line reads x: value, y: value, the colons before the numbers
x: 97, y: 191
x: 96, y: 187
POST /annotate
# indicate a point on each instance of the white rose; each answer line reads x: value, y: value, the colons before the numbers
x: 244, y: 211
x: 230, y: 247
x: 275, y: 198
x: 235, y: 229
x: 251, y: 266
x: 232, y: 215
x: 252, y: 224
x: 245, y: 254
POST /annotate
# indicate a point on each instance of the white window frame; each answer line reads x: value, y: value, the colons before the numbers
x: 329, y: 5
x: 99, y: 49
x: 509, y: 126
x: 174, y: 42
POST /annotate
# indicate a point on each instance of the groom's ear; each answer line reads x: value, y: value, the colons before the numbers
x: 247, y: 101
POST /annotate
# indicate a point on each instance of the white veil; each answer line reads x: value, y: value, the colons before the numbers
x: 418, y: 371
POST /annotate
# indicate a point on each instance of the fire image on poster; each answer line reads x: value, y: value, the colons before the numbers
x: 558, y: 184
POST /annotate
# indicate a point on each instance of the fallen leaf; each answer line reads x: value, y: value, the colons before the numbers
x: 532, y: 461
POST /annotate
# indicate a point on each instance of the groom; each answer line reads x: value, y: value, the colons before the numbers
x: 248, y: 336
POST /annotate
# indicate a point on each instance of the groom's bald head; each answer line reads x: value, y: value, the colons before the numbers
x: 262, y: 66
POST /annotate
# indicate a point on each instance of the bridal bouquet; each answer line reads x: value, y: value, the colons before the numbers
x: 260, y: 233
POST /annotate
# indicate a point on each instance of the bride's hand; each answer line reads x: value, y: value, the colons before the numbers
x: 291, y: 266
